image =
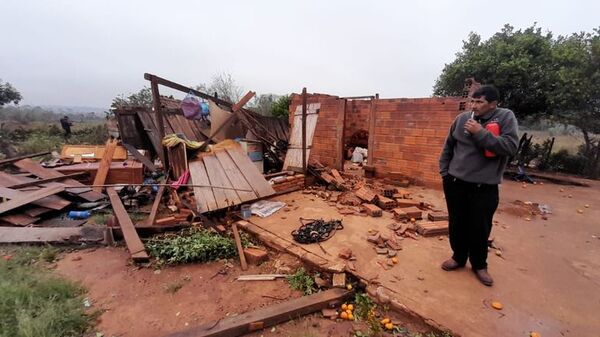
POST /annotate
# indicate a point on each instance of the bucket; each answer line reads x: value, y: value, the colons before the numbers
x: 246, y: 213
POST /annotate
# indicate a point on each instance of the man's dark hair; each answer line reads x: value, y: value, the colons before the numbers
x: 488, y: 91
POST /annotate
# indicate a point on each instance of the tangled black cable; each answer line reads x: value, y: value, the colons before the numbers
x: 317, y: 230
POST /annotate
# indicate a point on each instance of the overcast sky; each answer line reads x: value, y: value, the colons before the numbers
x: 86, y: 52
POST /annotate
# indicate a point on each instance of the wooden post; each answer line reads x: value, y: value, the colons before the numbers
x: 159, y: 120
x: 371, y: 146
x: 238, y: 244
x: 304, y: 130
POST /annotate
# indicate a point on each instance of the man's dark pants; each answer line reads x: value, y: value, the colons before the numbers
x: 471, y: 208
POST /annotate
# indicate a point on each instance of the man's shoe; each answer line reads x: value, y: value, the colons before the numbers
x: 484, y: 277
x: 450, y: 264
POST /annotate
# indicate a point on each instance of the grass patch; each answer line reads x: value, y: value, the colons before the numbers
x: 302, y: 281
x: 191, y: 245
x: 35, y: 303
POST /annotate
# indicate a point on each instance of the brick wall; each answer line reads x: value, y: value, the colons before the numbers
x: 407, y: 136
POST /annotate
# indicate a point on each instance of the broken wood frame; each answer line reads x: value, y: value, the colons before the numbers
x: 156, y: 80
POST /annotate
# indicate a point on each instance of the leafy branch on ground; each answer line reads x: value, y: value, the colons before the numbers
x: 36, y: 303
x: 364, y: 310
x: 302, y: 281
x: 191, y: 245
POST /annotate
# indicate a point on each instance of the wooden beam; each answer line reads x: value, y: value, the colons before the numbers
x: 266, y: 317
x: 159, y: 120
x: 29, y: 197
x: 183, y: 88
x: 14, y: 159
x: 48, y: 180
x: 141, y: 158
x: 134, y: 244
x: 371, y: 141
x: 238, y: 244
x: 152, y: 217
x: 104, y: 165
x: 304, y: 130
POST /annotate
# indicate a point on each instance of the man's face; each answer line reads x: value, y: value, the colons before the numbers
x: 481, y: 106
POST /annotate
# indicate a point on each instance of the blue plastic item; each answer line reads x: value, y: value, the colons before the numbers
x: 79, y: 214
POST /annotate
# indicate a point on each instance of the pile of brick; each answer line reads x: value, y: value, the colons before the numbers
x: 291, y: 183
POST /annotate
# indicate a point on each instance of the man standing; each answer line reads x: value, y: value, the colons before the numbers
x: 66, y: 125
x: 472, y: 163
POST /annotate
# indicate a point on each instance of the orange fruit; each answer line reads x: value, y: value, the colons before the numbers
x: 350, y: 307
x: 394, y: 260
x: 344, y: 306
x: 389, y: 326
x: 497, y: 305
x: 350, y: 317
x: 344, y: 315
x: 385, y: 321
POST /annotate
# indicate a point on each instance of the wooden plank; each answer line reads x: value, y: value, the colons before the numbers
x: 258, y: 182
x: 36, y: 169
x: 371, y: 141
x: 293, y: 157
x: 104, y: 166
x: 141, y: 158
x: 134, y: 244
x: 52, y: 202
x: 14, y: 159
x: 205, y: 199
x: 38, y: 182
x: 235, y: 176
x: 184, y: 123
x: 151, y: 131
x: 35, y: 212
x: 265, y: 317
x: 152, y: 217
x: 50, y: 235
x: 19, y: 219
x: 59, y: 222
x: 223, y: 197
x: 29, y: 197
x: 238, y: 244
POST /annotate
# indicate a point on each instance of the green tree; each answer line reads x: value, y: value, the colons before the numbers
x: 224, y: 86
x: 515, y: 61
x: 141, y: 98
x: 281, y: 107
x: 575, y: 94
x: 9, y: 94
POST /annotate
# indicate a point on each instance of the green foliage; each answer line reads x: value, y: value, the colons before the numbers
x: 51, y: 138
x: 191, y: 245
x: 9, y: 94
x: 27, y: 114
x: 302, y: 281
x: 281, y: 107
x: 364, y: 310
x: 34, y: 302
x: 142, y: 98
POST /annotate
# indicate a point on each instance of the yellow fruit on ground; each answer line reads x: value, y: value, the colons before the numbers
x: 349, y: 287
x: 350, y: 307
x: 344, y: 315
x: 394, y: 260
x: 350, y: 317
x: 344, y: 306
x: 413, y: 219
x: 535, y: 334
x: 349, y: 312
x: 385, y: 321
x: 389, y: 326
x: 497, y: 305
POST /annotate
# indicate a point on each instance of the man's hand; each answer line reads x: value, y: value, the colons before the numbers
x: 472, y: 126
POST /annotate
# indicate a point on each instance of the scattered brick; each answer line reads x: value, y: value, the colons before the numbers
x: 366, y: 195
x: 339, y: 280
x: 255, y: 256
x: 372, y: 210
x: 345, y: 253
x: 437, y: 216
x: 386, y: 203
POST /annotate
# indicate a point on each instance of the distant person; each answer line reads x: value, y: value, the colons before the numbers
x: 472, y: 163
x: 66, y: 125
